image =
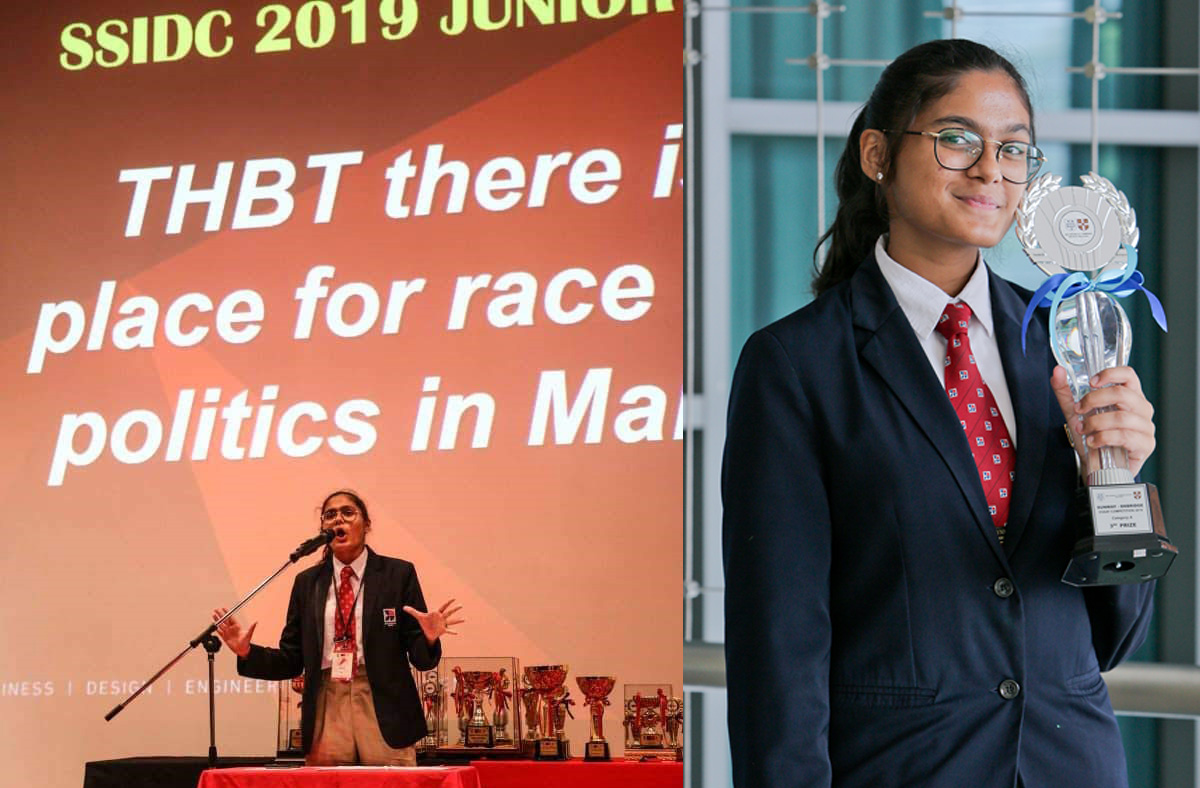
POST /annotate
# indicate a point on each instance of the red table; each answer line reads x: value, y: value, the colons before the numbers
x: 342, y: 777
x: 578, y: 774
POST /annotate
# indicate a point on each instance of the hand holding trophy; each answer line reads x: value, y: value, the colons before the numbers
x: 1086, y: 240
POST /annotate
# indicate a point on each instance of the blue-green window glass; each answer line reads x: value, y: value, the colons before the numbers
x: 761, y: 43
x: 1042, y: 47
x: 774, y: 226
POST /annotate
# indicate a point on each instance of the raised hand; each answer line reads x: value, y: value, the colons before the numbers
x: 231, y: 632
x: 437, y: 622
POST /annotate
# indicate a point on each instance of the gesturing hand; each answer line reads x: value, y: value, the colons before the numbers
x: 1130, y: 425
x: 231, y: 632
x: 436, y: 623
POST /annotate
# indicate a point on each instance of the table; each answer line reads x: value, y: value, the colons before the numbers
x: 156, y: 771
x: 342, y: 777
x: 578, y: 773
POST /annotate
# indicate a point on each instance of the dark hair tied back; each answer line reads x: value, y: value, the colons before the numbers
x: 358, y: 502
x: 918, y: 77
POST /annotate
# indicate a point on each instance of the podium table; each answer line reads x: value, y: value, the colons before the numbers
x: 578, y: 774
x: 342, y: 777
x: 155, y: 771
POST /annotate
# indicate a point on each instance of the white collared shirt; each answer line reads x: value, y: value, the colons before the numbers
x: 923, y: 303
x: 358, y: 565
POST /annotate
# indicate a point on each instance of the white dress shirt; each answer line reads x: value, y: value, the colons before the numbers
x: 358, y: 565
x: 923, y: 303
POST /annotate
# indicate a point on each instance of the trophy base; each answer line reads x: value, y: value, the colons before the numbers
x: 1113, y: 558
x: 552, y: 750
x: 596, y: 751
x: 653, y: 754
x: 481, y: 736
x: 462, y: 756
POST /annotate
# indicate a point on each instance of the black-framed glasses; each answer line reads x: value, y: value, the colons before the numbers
x: 960, y: 149
x: 347, y: 513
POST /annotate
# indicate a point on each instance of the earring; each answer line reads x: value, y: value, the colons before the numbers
x: 879, y: 176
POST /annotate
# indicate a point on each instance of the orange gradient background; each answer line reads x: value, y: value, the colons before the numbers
x: 564, y: 553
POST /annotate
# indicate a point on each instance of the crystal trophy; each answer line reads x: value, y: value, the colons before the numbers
x: 1086, y: 240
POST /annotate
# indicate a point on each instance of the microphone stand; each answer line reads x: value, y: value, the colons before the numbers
x: 212, y: 644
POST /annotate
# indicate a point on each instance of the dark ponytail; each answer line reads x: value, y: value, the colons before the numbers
x: 918, y: 77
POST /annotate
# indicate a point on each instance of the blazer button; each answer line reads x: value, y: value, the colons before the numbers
x: 1009, y: 689
x: 1003, y: 587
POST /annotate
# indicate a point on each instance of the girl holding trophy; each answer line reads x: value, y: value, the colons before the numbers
x: 899, y: 495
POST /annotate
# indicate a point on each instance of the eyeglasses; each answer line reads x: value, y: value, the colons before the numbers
x: 347, y: 513
x: 960, y: 149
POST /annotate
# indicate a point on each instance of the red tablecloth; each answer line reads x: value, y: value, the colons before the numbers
x: 342, y: 777
x: 578, y: 774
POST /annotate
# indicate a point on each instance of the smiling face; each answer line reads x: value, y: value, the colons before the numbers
x: 938, y: 218
x: 342, y: 513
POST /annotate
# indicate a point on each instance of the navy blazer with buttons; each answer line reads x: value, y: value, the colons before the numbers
x: 877, y: 632
x: 391, y: 640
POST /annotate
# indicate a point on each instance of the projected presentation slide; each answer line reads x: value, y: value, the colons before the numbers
x: 256, y: 252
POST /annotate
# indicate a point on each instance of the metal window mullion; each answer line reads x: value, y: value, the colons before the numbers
x: 715, y: 245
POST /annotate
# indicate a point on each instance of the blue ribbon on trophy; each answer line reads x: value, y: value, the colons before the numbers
x: 1120, y: 283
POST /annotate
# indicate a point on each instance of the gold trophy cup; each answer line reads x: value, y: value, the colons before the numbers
x: 547, y: 681
x: 595, y: 691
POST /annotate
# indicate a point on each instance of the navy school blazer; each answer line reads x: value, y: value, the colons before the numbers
x: 877, y: 633
x: 391, y: 641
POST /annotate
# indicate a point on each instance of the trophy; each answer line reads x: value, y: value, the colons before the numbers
x: 651, y: 729
x: 502, y: 699
x: 561, y: 704
x: 529, y: 700
x: 1085, y: 239
x: 473, y: 696
x: 463, y: 705
x: 673, y: 730
x: 595, y: 691
x: 480, y: 732
x: 433, y: 700
x: 547, y: 682
x: 290, y: 747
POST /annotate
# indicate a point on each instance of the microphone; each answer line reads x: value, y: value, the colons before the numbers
x: 310, y: 545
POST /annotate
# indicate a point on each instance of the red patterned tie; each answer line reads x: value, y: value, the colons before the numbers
x: 343, y: 623
x: 980, y: 418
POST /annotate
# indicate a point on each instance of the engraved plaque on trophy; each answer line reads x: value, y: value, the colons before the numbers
x: 1086, y: 239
